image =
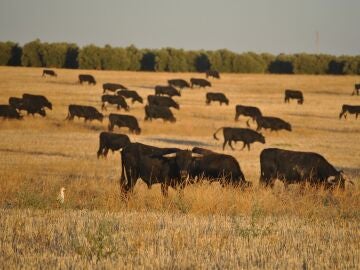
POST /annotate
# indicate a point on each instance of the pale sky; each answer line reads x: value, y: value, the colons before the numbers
x: 273, y: 26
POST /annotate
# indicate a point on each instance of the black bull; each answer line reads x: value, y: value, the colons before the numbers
x: 153, y: 165
x: 298, y: 167
x: 175, y: 167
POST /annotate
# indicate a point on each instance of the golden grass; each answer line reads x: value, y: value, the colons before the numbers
x: 205, y: 227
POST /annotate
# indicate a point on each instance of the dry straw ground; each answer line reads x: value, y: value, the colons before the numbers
x: 207, y: 227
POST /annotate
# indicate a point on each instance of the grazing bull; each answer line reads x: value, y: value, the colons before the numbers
x: 87, y: 78
x: 113, y: 87
x: 87, y: 112
x: 351, y: 109
x: 9, y: 112
x: 356, y: 89
x: 179, y: 83
x: 112, y: 141
x: 218, y: 167
x: 272, y: 123
x: 247, y: 136
x: 166, y: 166
x: 298, y: 167
x: 119, y: 101
x: 250, y: 111
x: 123, y: 120
x: 163, y: 101
x: 49, y: 72
x: 213, y: 73
x: 216, y: 97
x: 294, y: 94
x: 199, y: 82
x: 28, y: 105
x: 39, y: 100
x: 159, y: 112
x: 166, y: 90
x: 130, y: 94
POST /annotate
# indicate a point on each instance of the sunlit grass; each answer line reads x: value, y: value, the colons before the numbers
x: 205, y: 226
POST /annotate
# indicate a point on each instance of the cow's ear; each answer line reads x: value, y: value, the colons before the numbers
x: 196, y: 155
x: 170, y: 155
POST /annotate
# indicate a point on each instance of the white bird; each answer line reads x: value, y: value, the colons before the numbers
x: 61, y: 196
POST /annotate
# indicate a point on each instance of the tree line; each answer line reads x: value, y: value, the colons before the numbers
x: 70, y: 55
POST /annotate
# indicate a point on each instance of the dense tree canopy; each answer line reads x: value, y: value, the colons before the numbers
x: 69, y: 55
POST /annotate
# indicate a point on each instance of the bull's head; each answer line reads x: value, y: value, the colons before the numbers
x: 137, y: 131
x: 261, y: 138
x: 42, y: 112
x: 287, y: 126
x: 139, y: 99
x: 99, y: 116
x: 183, y: 160
x: 338, y: 180
x: 49, y: 105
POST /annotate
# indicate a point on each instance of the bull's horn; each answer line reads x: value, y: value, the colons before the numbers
x: 196, y: 155
x: 170, y: 155
x: 331, y: 179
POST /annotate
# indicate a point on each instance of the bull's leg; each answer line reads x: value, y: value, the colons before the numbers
x: 286, y: 185
x: 341, y: 114
x: 244, y: 144
x: 207, y: 102
x: 356, y: 115
x: 100, y: 151
x: 165, y: 189
x: 237, y: 116
x: 247, y: 123
x: 106, y: 150
x: 110, y: 127
x: 225, y: 141
x: 231, y: 145
x: 248, y: 146
x: 103, y: 106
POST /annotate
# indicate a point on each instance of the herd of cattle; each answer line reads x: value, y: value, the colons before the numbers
x: 176, y: 167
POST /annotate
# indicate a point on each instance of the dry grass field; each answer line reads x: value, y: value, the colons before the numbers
x: 208, y: 226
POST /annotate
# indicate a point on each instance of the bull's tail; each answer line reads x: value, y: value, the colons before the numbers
x: 214, y: 135
x: 342, y: 113
x: 68, y: 116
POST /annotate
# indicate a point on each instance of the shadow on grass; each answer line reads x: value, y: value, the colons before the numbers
x: 179, y: 141
x: 36, y: 153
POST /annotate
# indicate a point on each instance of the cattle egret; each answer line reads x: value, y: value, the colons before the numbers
x: 61, y: 195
